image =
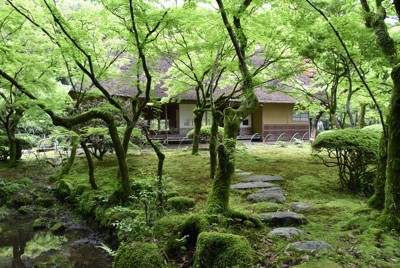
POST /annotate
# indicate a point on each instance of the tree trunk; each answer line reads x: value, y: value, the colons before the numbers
x: 127, y: 136
x: 314, y: 126
x: 391, y: 213
x: 67, y: 167
x: 335, y: 121
x: 348, y: 108
x: 377, y: 201
x: 15, y: 148
x: 218, y: 201
x: 216, y: 116
x: 89, y: 160
x: 197, y: 119
x: 161, y: 158
x: 363, y: 109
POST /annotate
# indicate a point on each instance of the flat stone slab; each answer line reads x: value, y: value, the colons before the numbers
x: 264, y: 178
x: 309, y: 246
x: 282, y: 218
x: 243, y: 173
x: 274, y: 194
x: 300, y: 207
x: 252, y: 185
x: 287, y: 232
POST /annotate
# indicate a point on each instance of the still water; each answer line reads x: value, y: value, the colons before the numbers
x: 23, y: 247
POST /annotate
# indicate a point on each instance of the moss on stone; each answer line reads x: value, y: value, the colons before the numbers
x: 181, y: 203
x: 222, y: 250
x: 138, y: 255
x: 192, y: 227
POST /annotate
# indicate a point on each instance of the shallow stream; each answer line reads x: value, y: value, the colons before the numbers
x: 75, y: 245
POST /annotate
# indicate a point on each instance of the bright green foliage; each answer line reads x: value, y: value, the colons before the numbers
x: 181, y: 203
x: 138, y: 255
x: 354, y: 152
x: 205, y: 133
x: 220, y: 250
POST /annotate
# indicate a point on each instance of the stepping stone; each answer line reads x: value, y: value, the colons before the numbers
x: 287, y: 232
x: 243, y: 174
x: 300, y: 207
x: 273, y: 194
x: 252, y: 185
x: 309, y: 246
x: 282, y: 218
x: 265, y: 178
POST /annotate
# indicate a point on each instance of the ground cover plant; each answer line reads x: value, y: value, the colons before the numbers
x: 338, y: 218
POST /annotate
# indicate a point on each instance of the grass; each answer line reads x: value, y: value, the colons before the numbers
x: 341, y: 219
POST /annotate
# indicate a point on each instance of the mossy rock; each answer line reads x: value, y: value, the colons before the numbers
x: 24, y: 210
x: 192, y: 227
x: 138, y: 255
x: 220, y: 250
x: 20, y: 199
x: 58, y: 228
x: 64, y: 189
x: 167, y: 231
x: 40, y: 223
x: 181, y: 203
x: 45, y: 201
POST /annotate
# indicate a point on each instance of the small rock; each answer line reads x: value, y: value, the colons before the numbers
x: 251, y: 185
x: 40, y: 223
x: 282, y: 218
x: 300, y: 207
x: 274, y: 195
x: 58, y: 228
x: 287, y: 232
x: 264, y: 178
x: 309, y: 246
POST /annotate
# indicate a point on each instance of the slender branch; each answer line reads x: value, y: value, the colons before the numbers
x: 364, y: 82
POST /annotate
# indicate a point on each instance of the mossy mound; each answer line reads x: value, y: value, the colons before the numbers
x: 181, y: 203
x: 138, y: 255
x: 222, y: 250
x: 192, y: 227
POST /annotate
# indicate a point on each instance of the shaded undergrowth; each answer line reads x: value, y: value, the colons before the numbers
x: 341, y: 219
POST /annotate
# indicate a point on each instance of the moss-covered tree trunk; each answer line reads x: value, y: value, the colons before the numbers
x: 15, y: 148
x: 71, y: 159
x: 377, y: 201
x: 89, y: 160
x: 363, y: 110
x: 160, y: 167
x: 216, y: 116
x: 198, y: 114
x: 391, y: 212
x: 376, y: 20
x: 218, y: 201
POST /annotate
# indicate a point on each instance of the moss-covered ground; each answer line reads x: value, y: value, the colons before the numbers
x: 341, y: 219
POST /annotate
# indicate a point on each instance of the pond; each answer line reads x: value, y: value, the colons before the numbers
x: 74, y: 245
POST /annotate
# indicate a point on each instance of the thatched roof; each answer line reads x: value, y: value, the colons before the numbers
x: 124, y: 86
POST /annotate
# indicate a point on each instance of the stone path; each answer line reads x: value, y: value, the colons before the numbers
x: 266, y: 191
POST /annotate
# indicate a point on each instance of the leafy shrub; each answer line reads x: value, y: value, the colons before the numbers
x: 138, y: 255
x: 205, y: 133
x: 355, y: 152
x: 220, y: 250
x: 181, y: 203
